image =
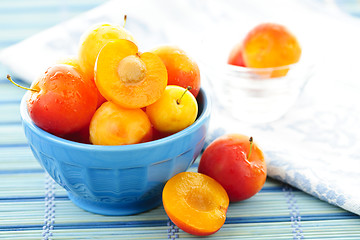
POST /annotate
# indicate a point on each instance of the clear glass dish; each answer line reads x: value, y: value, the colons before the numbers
x: 251, y: 95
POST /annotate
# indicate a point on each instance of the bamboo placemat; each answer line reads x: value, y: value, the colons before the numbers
x: 32, y: 206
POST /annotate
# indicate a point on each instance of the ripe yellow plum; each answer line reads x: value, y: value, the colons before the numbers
x: 94, y: 39
x: 176, y: 109
x: 114, y: 125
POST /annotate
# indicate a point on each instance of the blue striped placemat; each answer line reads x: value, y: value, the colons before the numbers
x: 33, y: 206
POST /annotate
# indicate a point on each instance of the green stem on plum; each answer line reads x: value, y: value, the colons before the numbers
x: 125, y: 17
x: 30, y: 89
x: 251, y: 144
x: 187, y: 89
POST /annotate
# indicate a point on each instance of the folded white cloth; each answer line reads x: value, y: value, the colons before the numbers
x: 314, y: 147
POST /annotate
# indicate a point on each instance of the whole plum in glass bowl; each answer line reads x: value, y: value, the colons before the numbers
x: 257, y: 74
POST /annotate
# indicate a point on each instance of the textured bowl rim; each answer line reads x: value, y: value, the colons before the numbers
x: 55, y: 139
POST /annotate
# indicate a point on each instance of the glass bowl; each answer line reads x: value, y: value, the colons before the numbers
x: 251, y: 95
x: 254, y: 95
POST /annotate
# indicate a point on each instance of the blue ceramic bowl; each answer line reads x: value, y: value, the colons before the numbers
x: 117, y: 180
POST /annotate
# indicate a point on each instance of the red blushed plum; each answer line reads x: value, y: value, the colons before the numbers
x: 237, y: 163
x: 271, y: 45
x: 62, y: 101
x: 236, y: 56
x: 182, y: 70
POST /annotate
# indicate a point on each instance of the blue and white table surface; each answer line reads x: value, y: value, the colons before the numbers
x: 312, y: 152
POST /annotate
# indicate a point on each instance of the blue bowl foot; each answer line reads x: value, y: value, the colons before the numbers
x: 116, y: 209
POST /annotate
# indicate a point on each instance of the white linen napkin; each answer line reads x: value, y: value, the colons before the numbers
x: 314, y: 147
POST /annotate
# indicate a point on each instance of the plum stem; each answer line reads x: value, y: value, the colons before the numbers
x: 125, y: 17
x: 251, y: 144
x: 30, y: 89
x: 187, y: 89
